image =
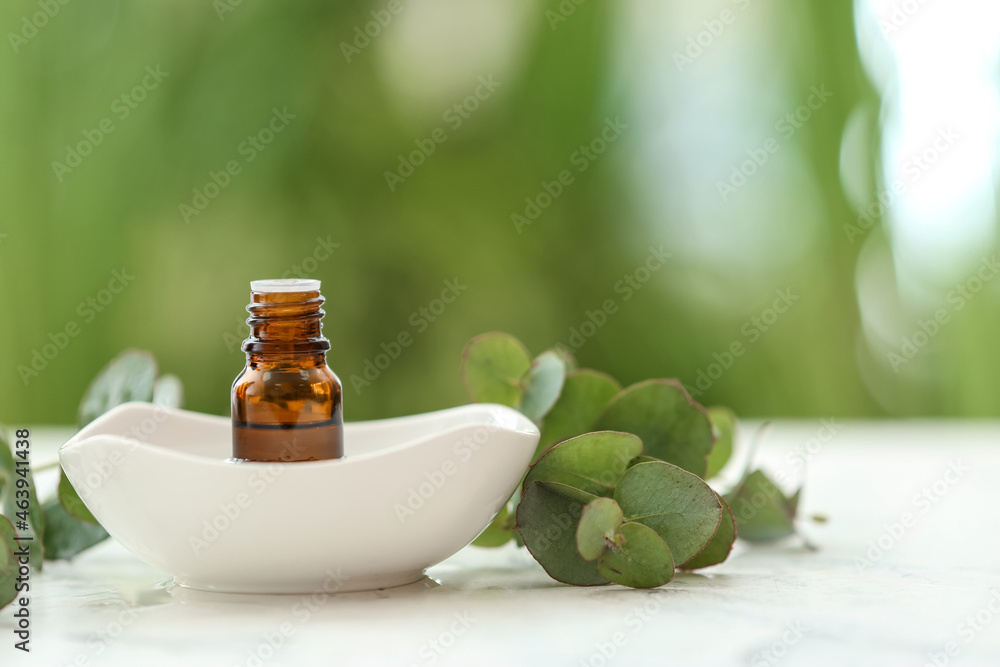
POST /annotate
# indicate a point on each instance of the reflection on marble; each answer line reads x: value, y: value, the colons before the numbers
x: 849, y: 602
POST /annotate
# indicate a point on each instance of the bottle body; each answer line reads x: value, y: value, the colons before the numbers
x: 283, y: 412
x: 287, y: 405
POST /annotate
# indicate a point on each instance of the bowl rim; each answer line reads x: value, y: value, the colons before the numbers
x: 524, y: 427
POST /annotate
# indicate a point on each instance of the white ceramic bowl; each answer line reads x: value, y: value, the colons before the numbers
x: 410, y: 492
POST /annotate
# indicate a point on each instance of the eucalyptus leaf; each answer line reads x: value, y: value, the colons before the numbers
x: 37, y: 520
x: 8, y: 563
x: 6, y: 456
x: 639, y: 558
x: 793, y: 502
x: 724, y: 428
x: 593, y: 462
x: 615, y: 492
x: 10, y: 473
x: 569, y: 361
x: 71, y: 501
x: 641, y: 459
x: 541, y: 386
x: 762, y: 511
x: 128, y: 377
x: 585, y: 393
x: 571, y: 492
x: 677, y: 504
x: 65, y: 535
x: 720, y: 547
x: 673, y: 427
x: 547, y: 517
x: 493, y: 365
x: 599, y: 523
x: 6, y: 474
x: 168, y: 391
x: 499, y: 532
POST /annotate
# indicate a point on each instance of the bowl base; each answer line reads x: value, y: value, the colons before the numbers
x: 329, y: 586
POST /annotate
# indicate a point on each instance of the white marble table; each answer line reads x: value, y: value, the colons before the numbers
x: 930, y: 594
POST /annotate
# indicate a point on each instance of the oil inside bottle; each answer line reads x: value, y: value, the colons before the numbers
x: 287, y: 405
x: 288, y: 442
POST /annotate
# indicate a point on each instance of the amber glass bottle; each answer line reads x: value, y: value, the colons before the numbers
x: 287, y: 403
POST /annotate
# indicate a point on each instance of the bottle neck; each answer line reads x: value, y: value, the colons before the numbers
x: 286, y: 327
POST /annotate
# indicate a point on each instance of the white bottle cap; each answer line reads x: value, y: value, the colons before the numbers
x: 284, y: 285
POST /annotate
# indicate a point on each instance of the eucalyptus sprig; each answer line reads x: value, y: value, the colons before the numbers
x: 62, y: 527
x: 616, y: 490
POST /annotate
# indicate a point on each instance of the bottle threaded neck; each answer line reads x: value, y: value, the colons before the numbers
x: 285, y: 323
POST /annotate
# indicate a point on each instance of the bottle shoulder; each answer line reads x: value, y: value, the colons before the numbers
x: 285, y: 374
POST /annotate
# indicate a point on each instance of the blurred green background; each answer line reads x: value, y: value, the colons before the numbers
x: 696, y: 89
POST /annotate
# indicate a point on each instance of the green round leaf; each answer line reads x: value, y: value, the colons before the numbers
x: 678, y: 505
x: 10, y: 472
x: 793, y: 503
x: 499, y: 532
x: 593, y: 462
x: 547, y: 518
x: 8, y: 564
x: 762, y: 511
x: 719, y: 548
x: 571, y: 492
x: 673, y: 427
x: 598, y: 524
x: 724, y: 428
x: 641, y: 459
x: 71, y: 501
x: 569, y: 361
x: 493, y: 365
x: 584, y: 397
x: 65, y: 535
x: 641, y: 559
x: 541, y: 385
x: 168, y: 391
x: 127, y: 377
x: 6, y: 457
